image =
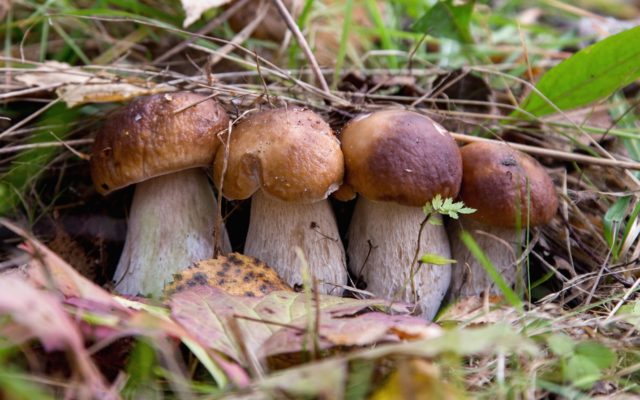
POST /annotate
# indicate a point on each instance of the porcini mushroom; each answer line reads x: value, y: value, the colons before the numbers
x: 507, y: 188
x: 398, y: 161
x: 288, y: 161
x: 158, y: 142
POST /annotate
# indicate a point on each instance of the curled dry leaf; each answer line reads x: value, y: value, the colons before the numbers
x: 47, y: 269
x: 40, y: 314
x: 195, y: 8
x: 277, y: 323
x: 37, y: 314
x: 76, y: 86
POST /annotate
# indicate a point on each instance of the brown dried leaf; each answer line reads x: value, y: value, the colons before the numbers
x: 236, y: 274
x: 361, y: 330
x: 76, y: 86
x: 46, y: 268
x: 478, y: 310
x: 207, y: 313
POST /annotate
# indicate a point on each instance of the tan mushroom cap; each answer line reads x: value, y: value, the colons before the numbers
x: 500, y: 182
x: 291, y: 153
x: 400, y: 156
x: 149, y: 138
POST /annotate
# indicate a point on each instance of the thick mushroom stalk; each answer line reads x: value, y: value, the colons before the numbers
x: 289, y: 161
x: 398, y: 161
x: 509, y: 189
x: 278, y: 227
x: 158, y: 142
x: 499, y: 244
x: 170, y: 226
x: 383, y: 243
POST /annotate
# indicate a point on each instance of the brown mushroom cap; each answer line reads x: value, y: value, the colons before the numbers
x: 500, y: 182
x: 400, y: 156
x: 149, y: 138
x: 291, y: 153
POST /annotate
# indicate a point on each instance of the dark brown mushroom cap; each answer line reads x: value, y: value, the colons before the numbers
x: 400, y: 156
x: 501, y: 182
x: 152, y: 137
x: 291, y: 153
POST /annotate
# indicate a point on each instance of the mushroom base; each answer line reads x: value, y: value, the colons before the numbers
x: 171, y: 225
x: 383, y: 238
x: 277, y: 228
x: 469, y: 278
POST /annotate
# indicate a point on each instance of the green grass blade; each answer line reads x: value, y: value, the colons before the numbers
x: 71, y: 43
x: 344, y: 41
x: 491, y: 270
x: 591, y: 74
x: 31, y: 163
x: 294, y: 49
x: 385, y: 36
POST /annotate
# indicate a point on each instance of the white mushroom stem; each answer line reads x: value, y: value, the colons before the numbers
x: 469, y: 277
x: 383, y: 239
x: 276, y: 228
x: 171, y: 225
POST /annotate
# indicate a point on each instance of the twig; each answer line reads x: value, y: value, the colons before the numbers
x: 239, y: 38
x: 561, y: 155
x: 302, y: 42
x: 208, y: 27
x: 626, y: 296
x: 20, y: 147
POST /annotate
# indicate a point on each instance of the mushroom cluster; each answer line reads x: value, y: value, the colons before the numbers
x: 288, y: 161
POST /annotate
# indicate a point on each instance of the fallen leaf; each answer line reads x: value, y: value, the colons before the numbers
x: 360, y: 330
x: 195, y: 8
x: 236, y: 274
x: 76, y: 86
x: 40, y: 312
x: 106, y: 92
x: 278, y: 322
x: 417, y: 379
x: 303, y: 382
x: 477, y: 310
x: 53, y: 73
x: 46, y: 268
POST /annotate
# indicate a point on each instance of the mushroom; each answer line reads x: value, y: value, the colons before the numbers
x: 507, y: 188
x: 398, y: 161
x: 158, y: 142
x: 288, y: 161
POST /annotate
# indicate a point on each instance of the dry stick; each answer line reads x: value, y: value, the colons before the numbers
x: 561, y: 155
x: 238, y: 39
x: 208, y: 27
x: 302, y: 42
x: 20, y: 147
x: 626, y: 296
